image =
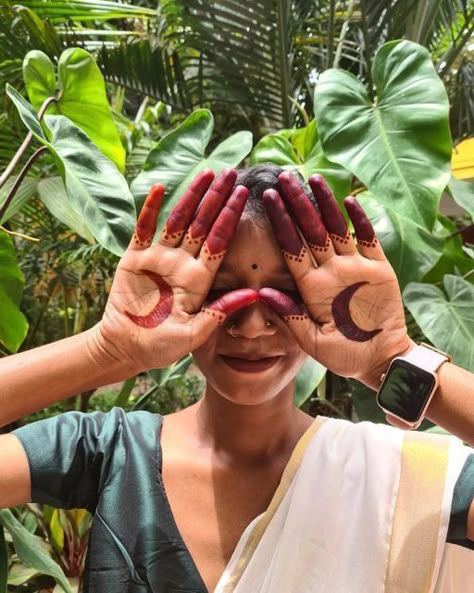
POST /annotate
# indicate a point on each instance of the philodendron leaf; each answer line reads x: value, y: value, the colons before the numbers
x: 181, y: 155
x: 96, y: 189
x: 54, y: 196
x: 398, y: 145
x: 13, y: 324
x: 300, y: 150
x: 446, y: 317
x: 308, y: 378
x: 463, y: 194
x: 410, y: 248
x: 82, y: 96
x: 30, y: 550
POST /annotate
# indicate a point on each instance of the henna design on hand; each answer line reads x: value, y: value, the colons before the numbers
x: 343, y: 319
x: 363, y: 227
x: 183, y: 213
x: 284, y: 228
x: 230, y: 302
x: 329, y: 208
x: 146, y: 223
x: 282, y: 304
x: 162, y: 309
x: 305, y: 213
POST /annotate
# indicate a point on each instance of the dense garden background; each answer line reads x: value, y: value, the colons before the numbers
x: 100, y: 99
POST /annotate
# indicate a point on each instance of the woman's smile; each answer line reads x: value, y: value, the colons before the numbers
x: 250, y: 363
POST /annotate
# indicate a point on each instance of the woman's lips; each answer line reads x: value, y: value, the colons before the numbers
x: 249, y: 365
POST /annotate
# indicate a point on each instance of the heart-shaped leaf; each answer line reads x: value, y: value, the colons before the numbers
x: 399, y: 144
x: 96, y: 189
x: 13, y: 324
x: 181, y: 155
x: 82, y: 96
x: 411, y: 249
x: 300, y: 150
x: 445, y: 317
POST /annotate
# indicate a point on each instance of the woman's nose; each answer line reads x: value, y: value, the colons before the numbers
x: 253, y: 321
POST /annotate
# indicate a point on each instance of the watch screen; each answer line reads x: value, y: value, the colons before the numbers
x: 405, y: 390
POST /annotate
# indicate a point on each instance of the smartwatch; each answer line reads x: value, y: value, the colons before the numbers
x: 409, y: 384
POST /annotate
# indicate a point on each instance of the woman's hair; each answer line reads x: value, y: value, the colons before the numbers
x: 259, y: 178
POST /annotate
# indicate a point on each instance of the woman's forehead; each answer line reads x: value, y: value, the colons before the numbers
x: 254, y: 249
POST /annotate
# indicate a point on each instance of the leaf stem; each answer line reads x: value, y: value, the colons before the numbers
x: 26, y: 142
x: 20, y: 178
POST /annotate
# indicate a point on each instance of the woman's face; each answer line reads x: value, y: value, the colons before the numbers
x: 264, y: 357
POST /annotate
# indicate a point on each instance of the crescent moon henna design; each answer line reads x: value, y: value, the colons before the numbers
x: 161, y: 310
x: 342, y: 316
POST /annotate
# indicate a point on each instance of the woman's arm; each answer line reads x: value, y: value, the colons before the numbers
x: 38, y: 378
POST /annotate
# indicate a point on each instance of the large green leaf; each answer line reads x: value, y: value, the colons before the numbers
x: 13, y: 324
x: 30, y: 550
x: 410, y: 248
x: 446, y: 317
x: 463, y: 194
x: 54, y: 196
x: 82, y: 96
x: 398, y: 145
x: 300, y: 150
x: 181, y: 154
x: 97, y: 190
x: 308, y: 378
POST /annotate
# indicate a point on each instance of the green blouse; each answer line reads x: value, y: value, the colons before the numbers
x: 110, y: 463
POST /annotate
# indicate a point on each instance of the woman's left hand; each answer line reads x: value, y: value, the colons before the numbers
x: 352, y: 320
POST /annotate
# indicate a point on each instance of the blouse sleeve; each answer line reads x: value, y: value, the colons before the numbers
x: 68, y: 456
x: 462, y: 499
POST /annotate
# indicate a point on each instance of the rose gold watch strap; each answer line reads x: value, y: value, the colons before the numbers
x: 426, y: 357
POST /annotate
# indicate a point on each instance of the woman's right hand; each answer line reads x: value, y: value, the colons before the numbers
x: 154, y: 315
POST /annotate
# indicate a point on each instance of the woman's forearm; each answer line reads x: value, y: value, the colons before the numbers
x: 452, y: 406
x: 33, y: 380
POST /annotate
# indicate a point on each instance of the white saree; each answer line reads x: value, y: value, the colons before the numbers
x: 361, y: 508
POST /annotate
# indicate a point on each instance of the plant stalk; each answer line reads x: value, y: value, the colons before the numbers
x: 20, y: 178
x: 26, y: 142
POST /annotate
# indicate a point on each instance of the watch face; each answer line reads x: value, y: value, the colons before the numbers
x: 406, y: 390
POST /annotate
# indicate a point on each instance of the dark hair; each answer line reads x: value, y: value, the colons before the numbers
x: 259, y: 178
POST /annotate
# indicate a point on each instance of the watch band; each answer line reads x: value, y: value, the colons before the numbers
x: 427, y: 357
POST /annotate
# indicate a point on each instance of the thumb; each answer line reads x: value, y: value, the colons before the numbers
x: 214, y: 314
x: 293, y: 314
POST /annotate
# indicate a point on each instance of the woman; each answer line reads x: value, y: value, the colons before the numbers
x: 213, y: 497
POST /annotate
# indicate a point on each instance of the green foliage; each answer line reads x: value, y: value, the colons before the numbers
x: 445, y: 316
x: 95, y: 187
x: 299, y: 149
x: 31, y: 550
x: 399, y: 144
x: 13, y: 325
x: 181, y: 155
x: 309, y: 377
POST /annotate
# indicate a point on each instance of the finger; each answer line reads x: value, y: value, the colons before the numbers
x: 146, y: 223
x: 222, y: 232
x: 307, y: 218
x: 209, y: 210
x: 332, y: 216
x: 184, y: 211
x: 292, y: 313
x: 294, y: 250
x: 366, y: 238
x: 214, y: 314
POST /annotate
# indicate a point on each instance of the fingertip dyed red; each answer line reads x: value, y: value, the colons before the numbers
x: 281, y: 303
x: 233, y: 301
x: 363, y: 228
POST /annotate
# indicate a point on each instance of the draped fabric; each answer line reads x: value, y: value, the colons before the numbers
x: 332, y: 515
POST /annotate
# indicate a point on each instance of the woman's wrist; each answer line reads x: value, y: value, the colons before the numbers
x: 373, y: 378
